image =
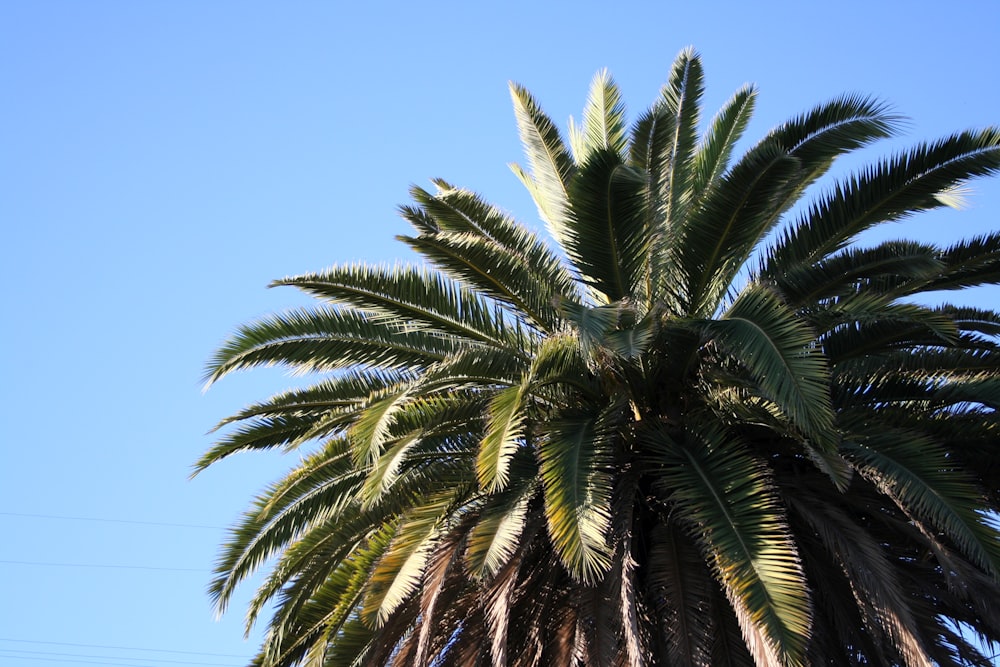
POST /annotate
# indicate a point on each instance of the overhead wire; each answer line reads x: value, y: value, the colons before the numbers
x: 106, y: 566
x: 109, y: 657
x: 161, y: 524
x: 78, y: 662
x: 111, y: 520
x: 122, y: 648
x: 10, y: 652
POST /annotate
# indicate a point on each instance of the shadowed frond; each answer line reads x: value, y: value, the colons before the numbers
x: 729, y: 507
x: 928, y: 488
x: 608, y: 245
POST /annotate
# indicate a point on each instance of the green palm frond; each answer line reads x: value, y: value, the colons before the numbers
x: 604, y: 126
x: 494, y: 271
x: 316, y: 492
x: 716, y: 239
x: 727, y: 127
x: 495, y: 537
x: 681, y: 583
x: 886, y: 192
x: 914, y: 324
x: 333, y: 606
x: 551, y: 164
x: 663, y: 144
x: 461, y: 211
x: 968, y: 263
x: 384, y: 472
x: 884, y: 269
x: 982, y: 389
x: 681, y: 99
x: 285, y: 431
x: 730, y: 508
x: 424, y: 432
x: 475, y: 368
x: 752, y: 196
x: 608, y: 245
x: 573, y: 457
x: 325, y: 339
x: 875, y: 581
x: 408, y: 297
x: 347, y: 390
x: 370, y: 431
x: 765, y: 336
x: 504, y: 435
x: 399, y: 569
x: 307, y: 564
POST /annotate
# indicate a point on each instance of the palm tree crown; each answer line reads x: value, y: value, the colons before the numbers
x: 706, y: 427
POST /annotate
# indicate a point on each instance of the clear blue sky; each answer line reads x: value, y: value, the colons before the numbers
x: 161, y: 162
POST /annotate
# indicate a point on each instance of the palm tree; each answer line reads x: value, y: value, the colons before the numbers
x: 705, y: 428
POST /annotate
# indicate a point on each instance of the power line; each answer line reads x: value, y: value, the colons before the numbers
x: 111, y: 567
x: 106, y: 520
x: 109, y: 657
x: 79, y: 662
x: 123, y: 648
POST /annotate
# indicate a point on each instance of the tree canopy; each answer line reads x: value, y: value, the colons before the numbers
x: 701, y: 424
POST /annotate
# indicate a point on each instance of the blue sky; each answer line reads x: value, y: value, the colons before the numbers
x: 161, y: 162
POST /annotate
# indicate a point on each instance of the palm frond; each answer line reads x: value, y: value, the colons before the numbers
x: 874, y: 581
x: 409, y: 298
x: 884, y: 269
x: 348, y: 389
x: 916, y: 473
x: 751, y: 198
x: 285, y: 431
x: 866, y: 324
x: 315, y: 492
x: 460, y: 211
x: 504, y: 435
x: 325, y: 339
x: 371, y: 430
x: 886, y: 192
x: 668, y: 139
x: 400, y: 568
x: 495, y: 536
x: 332, y: 608
x: 573, y: 454
x: 729, y: 507
x: 608, y: 245
x: 680, y: 585
x: 727, y: 127
x: 968, y: 263
x: 681, y: 98
x: 764, y: 336
x: 719, y: 235
x: 603, y: 120
x: 551, y: 164
x: 494, y: 271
